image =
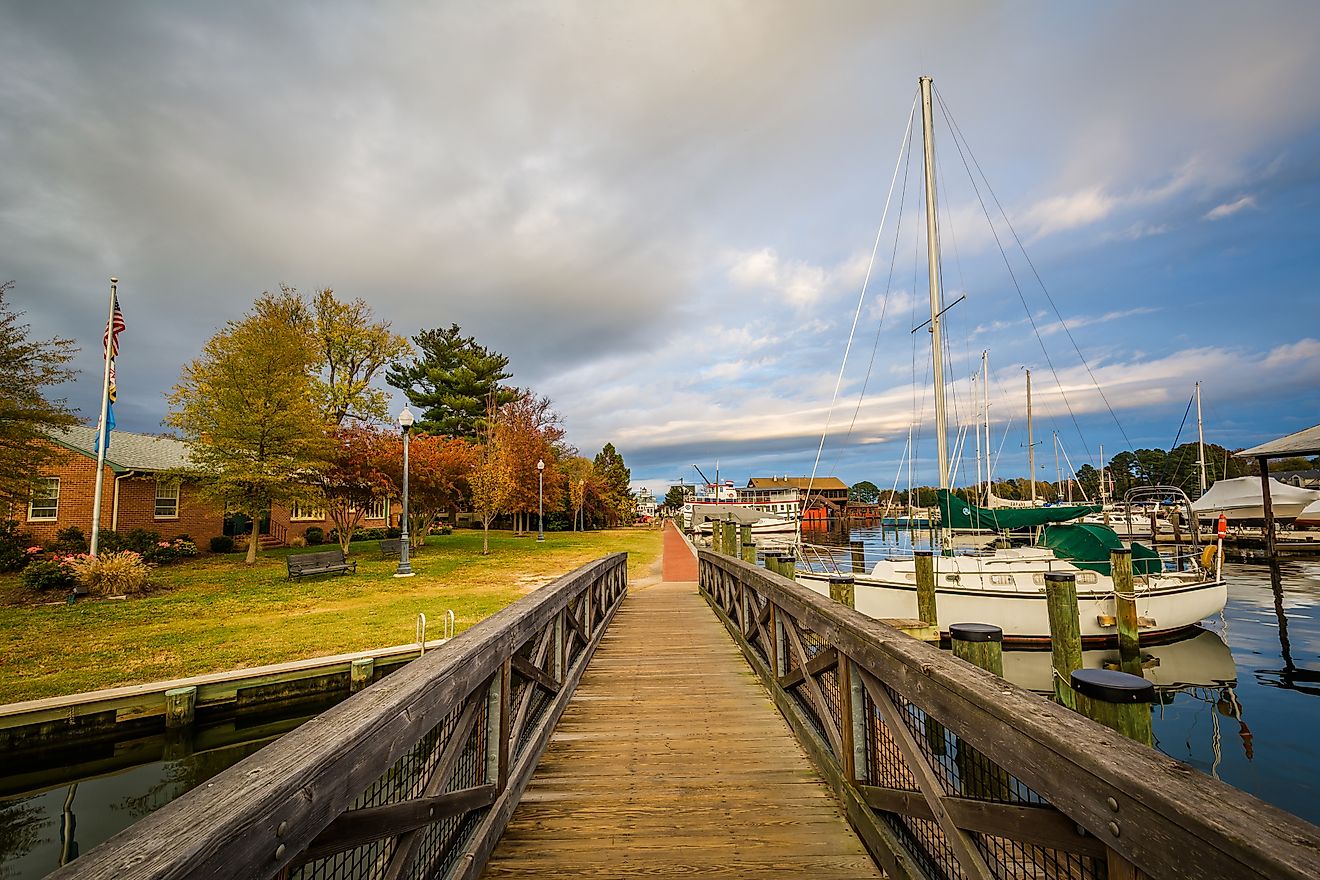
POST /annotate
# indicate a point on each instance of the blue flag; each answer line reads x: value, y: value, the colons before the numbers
x: 109, y: 426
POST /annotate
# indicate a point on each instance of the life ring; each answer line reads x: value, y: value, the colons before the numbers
x: 1208, y: 557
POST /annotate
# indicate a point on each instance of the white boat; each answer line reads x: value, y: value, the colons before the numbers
x: 1240, y: 500
x: 1309, y: 518
x: 1006, y: 587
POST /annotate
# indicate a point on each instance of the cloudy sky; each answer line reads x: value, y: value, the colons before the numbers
x: 664, y: 213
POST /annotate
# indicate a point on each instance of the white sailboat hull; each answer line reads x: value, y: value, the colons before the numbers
x: 1007, y: 590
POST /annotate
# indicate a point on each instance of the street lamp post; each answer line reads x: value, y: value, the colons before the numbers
x: 540, y: 499
x: 404, y: 570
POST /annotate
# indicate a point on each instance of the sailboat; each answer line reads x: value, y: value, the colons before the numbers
x: 1005, y: 587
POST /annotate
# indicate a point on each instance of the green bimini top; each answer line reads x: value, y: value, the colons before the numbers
x: 1087, y: 546
x: 955, y: 513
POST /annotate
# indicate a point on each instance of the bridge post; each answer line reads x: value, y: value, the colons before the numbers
x: 560, y: 664
x: 497, y: 727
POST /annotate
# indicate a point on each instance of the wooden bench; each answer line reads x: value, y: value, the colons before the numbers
x: 319, y: 563
x: 390, y: 547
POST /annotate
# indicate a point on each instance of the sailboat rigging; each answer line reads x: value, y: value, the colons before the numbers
x: 1005, y: 586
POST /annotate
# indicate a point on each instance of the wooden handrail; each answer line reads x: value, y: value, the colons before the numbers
x: 403, y: 766
x: 1135, y: 804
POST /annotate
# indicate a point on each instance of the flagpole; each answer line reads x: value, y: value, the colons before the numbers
x: 105, y: 405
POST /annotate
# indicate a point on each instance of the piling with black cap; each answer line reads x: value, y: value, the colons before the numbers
x: 980, y: 644
x: 1117, y: 700
x: 926, y: 610
x: 1065, y: 632
x: 843, y: 588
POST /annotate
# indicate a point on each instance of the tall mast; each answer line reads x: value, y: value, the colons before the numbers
x: 1031, y: 445
x: 977, y: 428
x: 933, y: 259
x: 985, y: 394
x: 1200, y: 438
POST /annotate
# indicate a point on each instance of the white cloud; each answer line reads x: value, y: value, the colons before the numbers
x: 1228, y: 209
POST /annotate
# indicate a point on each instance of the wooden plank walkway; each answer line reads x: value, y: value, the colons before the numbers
x: 671, y: 760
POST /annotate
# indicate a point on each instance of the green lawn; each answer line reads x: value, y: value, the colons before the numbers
x: 217, y: 614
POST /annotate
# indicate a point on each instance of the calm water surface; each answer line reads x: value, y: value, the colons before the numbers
x: 1241, y: 701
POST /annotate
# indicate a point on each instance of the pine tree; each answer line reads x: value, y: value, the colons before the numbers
x: 450, y: 379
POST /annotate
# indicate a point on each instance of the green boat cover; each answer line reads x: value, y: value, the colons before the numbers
x: 956, y: 513
x: 1087, y: 546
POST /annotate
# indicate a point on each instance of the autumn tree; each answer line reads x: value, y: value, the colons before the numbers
x: 439, y: 469
x: 352, y: 477
x: 491, y: 479
x: 27, y: 413
x: 614, y: 479
x: 450, y: 379
x: 531, y: 432
x: 250, y: 408
x: 353, y: 348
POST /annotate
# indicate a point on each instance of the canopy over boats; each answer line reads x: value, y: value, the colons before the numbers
x: 1240, y: 499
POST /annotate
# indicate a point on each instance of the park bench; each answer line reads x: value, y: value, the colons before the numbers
x: 390, y: 547
x: 319, y: 563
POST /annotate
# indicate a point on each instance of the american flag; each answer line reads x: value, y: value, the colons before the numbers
x: 110, y: 341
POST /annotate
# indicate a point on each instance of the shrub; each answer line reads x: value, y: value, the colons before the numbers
x: 222, y: 544
x: 70, y: 540
x: 108, y: 541
x: 46, y: 575
x: 122, y: 573
x: 297, y: 541
x: 14, y: 546
x: 166, y: 552
x: 139, y: 540
x: 391, y: 532
x: 314, y: 535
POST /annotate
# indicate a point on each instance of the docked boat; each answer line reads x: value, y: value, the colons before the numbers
x: 1309, y: 518
x: 1240, y: 500
x: 1005, y: 586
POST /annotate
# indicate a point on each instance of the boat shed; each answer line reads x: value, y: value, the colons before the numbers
x: 1304, y: 442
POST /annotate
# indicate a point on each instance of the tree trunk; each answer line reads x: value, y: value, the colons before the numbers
x: 485, y: 537
x: 253, y: 541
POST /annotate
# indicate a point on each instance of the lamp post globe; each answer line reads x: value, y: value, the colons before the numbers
x: 404, y: 570
x: 540, y: 499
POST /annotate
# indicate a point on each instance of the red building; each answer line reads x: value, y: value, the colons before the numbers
x: 137, y: 492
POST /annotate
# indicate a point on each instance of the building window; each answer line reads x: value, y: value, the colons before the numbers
x: 377, y: 508
x: 167, y: 499
x: 306, y: 512
x: 45, y: 503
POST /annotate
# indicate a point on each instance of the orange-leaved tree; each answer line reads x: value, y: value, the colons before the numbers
x: 353, y: 476
x: 438, y: 471
x: 530, y: 432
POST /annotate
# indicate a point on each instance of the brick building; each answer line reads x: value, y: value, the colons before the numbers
x: 138, y: 493
x: 133, y: 496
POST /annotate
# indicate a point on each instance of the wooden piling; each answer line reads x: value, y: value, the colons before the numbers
x: 716, y: 536
x: 731, y: 538
x: 180, y: 704
x: 1125, y: 610
x: 360, y: 673
x: 1116, y: 699
x: 843, y: 588
x: 926, y: 609
x: 748, y: 545
x: 857, y: 550
x: 1065, y: 633
x: 980, y: 644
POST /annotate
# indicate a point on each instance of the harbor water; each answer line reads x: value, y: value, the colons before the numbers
x: 1239, y: 699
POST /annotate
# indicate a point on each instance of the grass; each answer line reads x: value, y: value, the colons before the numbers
x: 217, y: 614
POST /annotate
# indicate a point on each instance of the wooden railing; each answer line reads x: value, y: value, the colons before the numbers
x: 414, y: 777
x: 949, y: 771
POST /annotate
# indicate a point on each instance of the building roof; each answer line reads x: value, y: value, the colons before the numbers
x: 817, y: 485
x: 1305, y: 442
x: 127, y: 451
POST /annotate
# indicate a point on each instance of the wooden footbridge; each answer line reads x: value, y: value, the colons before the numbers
x: 723, y: 723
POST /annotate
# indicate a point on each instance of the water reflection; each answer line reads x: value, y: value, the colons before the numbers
x: 56, y: 803
x: 1235, y: 699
